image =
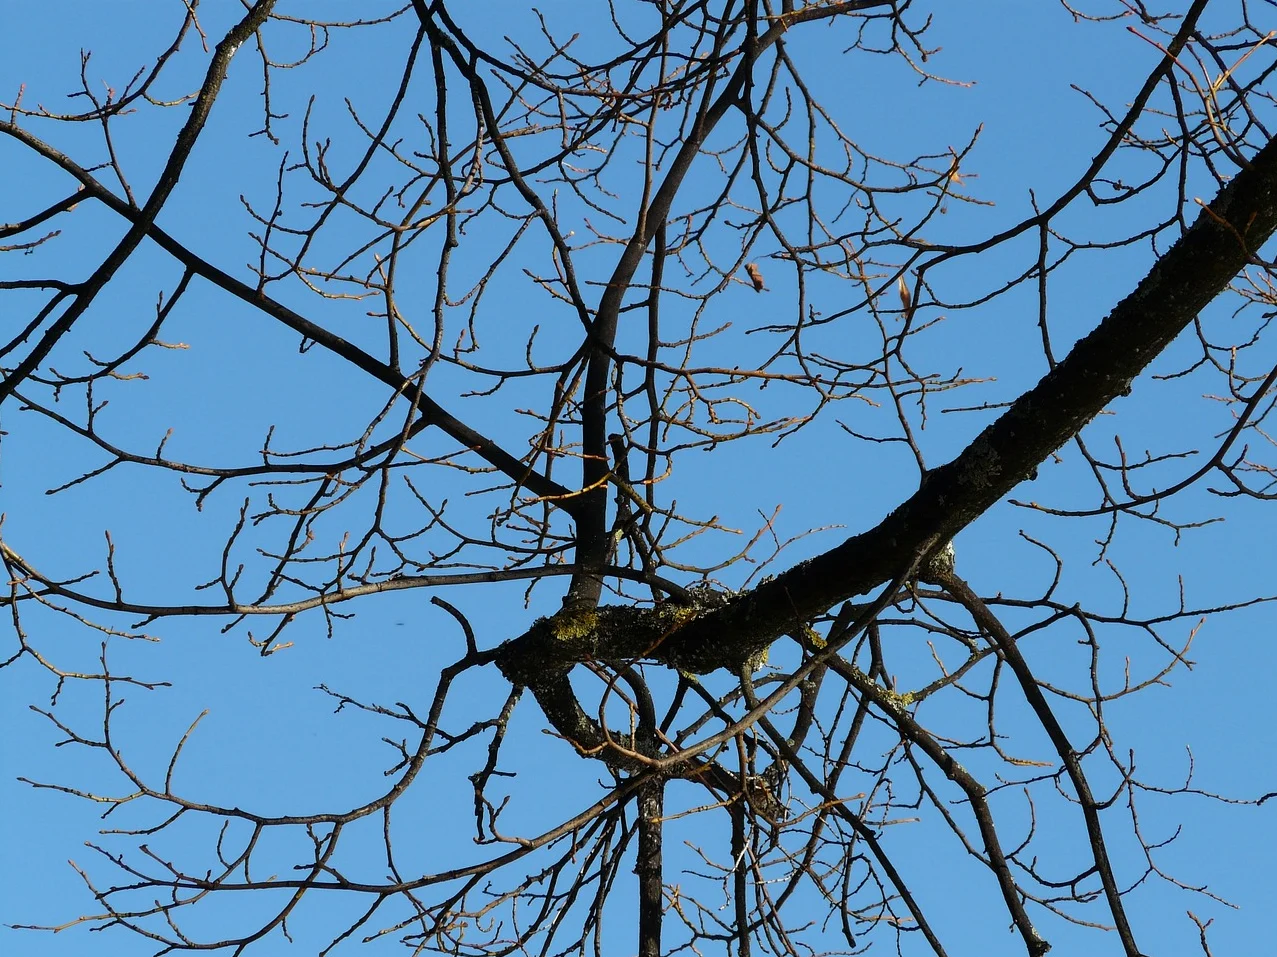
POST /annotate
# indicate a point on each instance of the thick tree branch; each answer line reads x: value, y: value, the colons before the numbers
x: 1226, y: 236
x: 649, y: 868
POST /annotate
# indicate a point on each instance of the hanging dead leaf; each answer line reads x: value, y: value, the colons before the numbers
x: 906, y: 300
x: 755, y: 276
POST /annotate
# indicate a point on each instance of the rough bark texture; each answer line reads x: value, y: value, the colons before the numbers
x: 648, y: 867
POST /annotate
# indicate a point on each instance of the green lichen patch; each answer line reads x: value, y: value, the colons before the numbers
x: 571, y: 625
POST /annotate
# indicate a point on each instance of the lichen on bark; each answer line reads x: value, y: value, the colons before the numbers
x: 621, y: 634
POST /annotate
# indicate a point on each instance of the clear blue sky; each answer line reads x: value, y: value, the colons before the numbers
x: 271, y: 741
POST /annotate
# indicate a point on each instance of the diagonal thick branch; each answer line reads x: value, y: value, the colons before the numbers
x: 1221, y: 242
x: 143, y: 219
x: 1225, y: 237
x: 430, y: 411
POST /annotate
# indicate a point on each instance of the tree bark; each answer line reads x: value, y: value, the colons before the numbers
x: 649, y: 868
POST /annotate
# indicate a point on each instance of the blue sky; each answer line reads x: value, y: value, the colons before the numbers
x: 271, y: 740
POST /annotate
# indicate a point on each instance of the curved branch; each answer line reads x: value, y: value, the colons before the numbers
x: 1010, y: 652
